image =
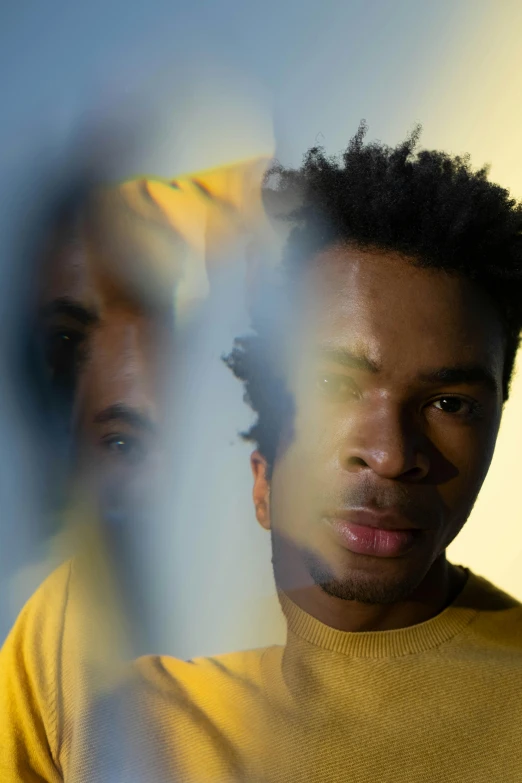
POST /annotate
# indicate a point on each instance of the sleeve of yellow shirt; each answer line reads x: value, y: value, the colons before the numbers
x: 30, y: 710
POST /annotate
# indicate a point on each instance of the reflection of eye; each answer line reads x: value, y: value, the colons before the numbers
x: 125, y: 447
x: 62, y: 353
x: 458, y: 406
x: 335, y: 386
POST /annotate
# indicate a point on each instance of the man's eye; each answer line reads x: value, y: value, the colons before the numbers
x: 125, y: 447
x: 455, y: 405
x: 335, y: 386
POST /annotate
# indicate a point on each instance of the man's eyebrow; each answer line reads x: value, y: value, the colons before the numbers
x: 347, y: 358
x: 71, y: 307
x: 472, y: 374
x: 124, y: 413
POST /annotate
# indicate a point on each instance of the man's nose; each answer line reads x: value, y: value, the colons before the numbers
x: 387, y: 441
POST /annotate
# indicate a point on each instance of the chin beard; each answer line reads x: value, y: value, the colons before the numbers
x: 295, y: 568
x: 360, y: 586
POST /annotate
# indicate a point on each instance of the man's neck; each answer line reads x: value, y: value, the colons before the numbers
x: 437, y: 590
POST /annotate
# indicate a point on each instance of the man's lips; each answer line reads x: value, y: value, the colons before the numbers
x: 385, y: 519
x: 377, y: 532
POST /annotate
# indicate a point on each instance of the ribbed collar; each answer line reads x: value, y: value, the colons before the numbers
x: 383, y: 644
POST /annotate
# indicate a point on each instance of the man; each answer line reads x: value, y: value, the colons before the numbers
x: 379, y: 390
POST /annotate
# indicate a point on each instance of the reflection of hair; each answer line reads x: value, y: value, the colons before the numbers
x: 427, y: 205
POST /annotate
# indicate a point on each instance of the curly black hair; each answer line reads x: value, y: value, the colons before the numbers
x: 426, y: 205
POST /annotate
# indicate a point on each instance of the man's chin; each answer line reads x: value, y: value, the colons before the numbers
x: 346, y: 575
x: 380, y: 586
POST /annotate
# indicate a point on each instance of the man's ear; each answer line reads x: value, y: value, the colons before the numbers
x: 261, y: 491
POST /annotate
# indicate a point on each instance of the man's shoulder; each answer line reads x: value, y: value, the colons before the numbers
x: 42, y: 615
x: 29, y: 688
x: 497, y: 620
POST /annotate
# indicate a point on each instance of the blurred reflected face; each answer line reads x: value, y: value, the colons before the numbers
x: 109, y: 349
x: 396, y: 374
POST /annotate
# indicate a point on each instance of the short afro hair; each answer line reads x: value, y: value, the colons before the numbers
x: 427, y: 205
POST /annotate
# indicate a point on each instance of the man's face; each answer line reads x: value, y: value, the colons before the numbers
x: 396, y: 375
x: 109, y: 348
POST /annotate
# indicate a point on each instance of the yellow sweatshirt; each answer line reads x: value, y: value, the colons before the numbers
x: 438, y: 701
